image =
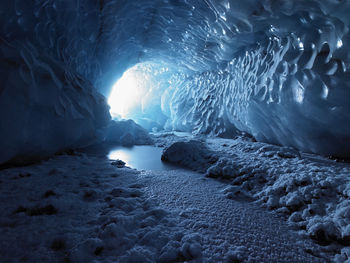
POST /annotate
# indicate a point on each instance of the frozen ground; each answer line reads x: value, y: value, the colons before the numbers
x: 310, y: 191
x: 228, y: 230
x: 83, y: 208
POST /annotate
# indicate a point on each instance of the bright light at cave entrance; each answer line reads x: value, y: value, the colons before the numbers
x: 127, y: 94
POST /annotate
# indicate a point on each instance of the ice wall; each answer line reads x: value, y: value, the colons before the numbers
x: 285, y: 79
x: 280, y: 93
x: 276, y: 69
x: 45, y: 107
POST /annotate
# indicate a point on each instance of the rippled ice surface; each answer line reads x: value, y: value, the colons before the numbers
x: 142, y: 157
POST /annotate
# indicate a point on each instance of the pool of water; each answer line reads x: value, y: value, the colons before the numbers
x: 141, y: 157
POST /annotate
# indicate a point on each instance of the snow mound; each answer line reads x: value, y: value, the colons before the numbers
x: 192, y: 154
x: 127, y: 133
x: 310, y: 191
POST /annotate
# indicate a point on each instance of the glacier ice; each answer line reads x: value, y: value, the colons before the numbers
x: 45, y: 107
x: 278, y: 70
x: 127, y: 133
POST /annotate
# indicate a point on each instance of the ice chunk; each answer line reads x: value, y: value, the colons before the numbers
x: 192, y: 154
x: 127, y: 133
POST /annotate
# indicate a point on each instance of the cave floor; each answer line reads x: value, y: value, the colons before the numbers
x: 81, y: 208
x: 227, y: 229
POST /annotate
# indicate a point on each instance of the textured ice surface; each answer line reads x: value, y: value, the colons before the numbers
x: 83, y: 209
x: 127, y: 133
x: 312, y: 192
x: 45, y: 107
x: 228, y: 230
x: 276, y: 69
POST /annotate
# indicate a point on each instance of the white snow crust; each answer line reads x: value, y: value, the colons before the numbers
x: 127, y: 133
x: 266, y: 204
x: 310, y: 191
x: 85, y: 208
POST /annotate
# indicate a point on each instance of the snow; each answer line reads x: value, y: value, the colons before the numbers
x: 277, y: 71
x: 310, y: 191
x: 226, y: 228
x: 193, y: 154
x: 84, y: 207
x: 127, y: 133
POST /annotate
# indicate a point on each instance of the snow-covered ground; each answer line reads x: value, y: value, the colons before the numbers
x: 310, y: 191
x: 86, y: 208
x: 228, y: 230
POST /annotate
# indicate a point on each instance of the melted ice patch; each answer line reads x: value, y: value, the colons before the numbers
x: 141, y: 157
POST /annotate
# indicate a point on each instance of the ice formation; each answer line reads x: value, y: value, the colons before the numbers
x: 275, y: 69
x: 310, y: 191
x: 45, y: 107
x: 127, y: 133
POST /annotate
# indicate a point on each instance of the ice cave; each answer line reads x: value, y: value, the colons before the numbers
x: 167, y: 131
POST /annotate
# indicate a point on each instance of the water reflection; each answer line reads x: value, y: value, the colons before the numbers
x: 142, y: 157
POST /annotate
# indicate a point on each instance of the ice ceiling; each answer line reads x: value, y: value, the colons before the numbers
x: 277, y: 69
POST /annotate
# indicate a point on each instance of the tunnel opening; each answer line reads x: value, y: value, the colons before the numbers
x: 127, y: 95
x: 87, y: 85
x: 276, y: 71
x: 138, y: 94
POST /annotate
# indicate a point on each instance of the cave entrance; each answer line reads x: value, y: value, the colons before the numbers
x: 137, y: 95
x: 128, y: 94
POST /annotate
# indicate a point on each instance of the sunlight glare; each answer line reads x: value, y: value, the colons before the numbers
x: 127, y: 94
